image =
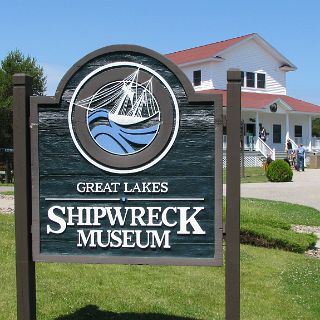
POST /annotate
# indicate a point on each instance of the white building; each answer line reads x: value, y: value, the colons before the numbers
x: 264, y: 98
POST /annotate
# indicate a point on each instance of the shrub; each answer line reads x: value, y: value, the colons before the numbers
x: 279, y: 171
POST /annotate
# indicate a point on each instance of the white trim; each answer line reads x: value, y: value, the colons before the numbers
x: 168, y: 147
x: 274, y: 51
x: 82, y: 199
x: 257, y: 124
x: 255, y: 87
x: 165, y: 199
x: 193, y: 62
x: 286, y: 68
x: 263, y: 43
x: 310, y: 133
x: 287, y: 127
x: 124, y: 198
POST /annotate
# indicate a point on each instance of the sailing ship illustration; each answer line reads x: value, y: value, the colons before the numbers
x: 127, y: 101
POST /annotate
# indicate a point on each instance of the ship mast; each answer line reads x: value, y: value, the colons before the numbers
x: 127, y: 92
x: 137, y: 107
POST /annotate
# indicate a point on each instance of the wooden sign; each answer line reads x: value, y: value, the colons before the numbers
x: 127, y: 164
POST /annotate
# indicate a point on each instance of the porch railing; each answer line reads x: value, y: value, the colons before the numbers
x: 249, y: 142
x: 294, y: 145
x: 297, y: 140
x: 265, y: 149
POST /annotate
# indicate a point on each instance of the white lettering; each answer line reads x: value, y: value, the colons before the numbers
x: 137, y: 216
x: 155, y: 238
x: 53, y: 217
x: 83, y: 240
x: 191, y: 220
x: 165, y: 219
x: 153, y: 214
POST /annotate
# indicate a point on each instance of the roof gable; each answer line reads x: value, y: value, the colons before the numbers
x: 260, y: 101
x: 217, y: 49
x: 203, y: 52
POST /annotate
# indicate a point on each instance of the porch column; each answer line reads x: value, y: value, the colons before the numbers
x: 310, y: 133
x: 287, y: 127
x: 257, y: 132
x: 257, y: 125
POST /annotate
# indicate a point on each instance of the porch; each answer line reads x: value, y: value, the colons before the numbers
x: 250, y: 143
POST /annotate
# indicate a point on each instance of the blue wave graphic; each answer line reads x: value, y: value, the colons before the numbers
x: 115, y: 138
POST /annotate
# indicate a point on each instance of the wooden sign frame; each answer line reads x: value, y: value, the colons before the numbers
x: 195, y: 99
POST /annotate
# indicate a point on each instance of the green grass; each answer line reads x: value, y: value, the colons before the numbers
x: 268, y: 223
x: 275, y: 284
x: 7, y: 193
x: 251, y: 175
x: 6, y: 184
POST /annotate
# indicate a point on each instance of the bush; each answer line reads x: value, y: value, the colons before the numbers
x: 279, y: 171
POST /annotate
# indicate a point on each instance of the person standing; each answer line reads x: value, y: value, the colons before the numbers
x: 263, y: 134
x: 289, y: 147
x: 289, y: 151
x: 300, y: 152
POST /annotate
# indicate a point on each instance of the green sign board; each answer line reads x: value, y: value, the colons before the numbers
x: 127, y: 164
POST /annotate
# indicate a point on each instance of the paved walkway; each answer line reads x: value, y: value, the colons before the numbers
x: 304, y: 189
x: 5, y: 188
x: 6, y: 202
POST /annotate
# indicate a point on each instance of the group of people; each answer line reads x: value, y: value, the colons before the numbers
x: 296, y: 157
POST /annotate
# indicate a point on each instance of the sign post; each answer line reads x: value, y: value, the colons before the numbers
x: 233, y: 196
x: 25, y: 267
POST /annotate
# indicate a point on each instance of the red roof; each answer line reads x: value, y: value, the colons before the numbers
x: 203, y: 52
x: 252, y: 100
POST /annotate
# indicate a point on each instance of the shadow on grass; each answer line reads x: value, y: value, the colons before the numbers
x: 93, y: 312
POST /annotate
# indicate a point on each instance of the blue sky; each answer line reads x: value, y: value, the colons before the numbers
x: 58, y: 33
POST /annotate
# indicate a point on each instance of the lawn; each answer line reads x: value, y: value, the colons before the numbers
x: 275, y: 284
x: 6, y: 184
x: 268, y: 223
x: 251, y: 175
x: 7, y: 193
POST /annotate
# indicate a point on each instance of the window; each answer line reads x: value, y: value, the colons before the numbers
x: 253, y: 80
x: 197, y: 78
x: 242, y: 79
x: 277, y: 133
x: 298, y: 131
x: 261, y: 80
x: 250, y: 79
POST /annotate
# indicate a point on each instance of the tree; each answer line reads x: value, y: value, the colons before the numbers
x: 16, y: 62
x: 316, y: 127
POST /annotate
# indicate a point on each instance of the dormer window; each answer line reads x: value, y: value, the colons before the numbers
x: 253, y: 80
x: 242, y: 79
x: 250, y: 79
x: 197, y: 78
x: 261, y: 80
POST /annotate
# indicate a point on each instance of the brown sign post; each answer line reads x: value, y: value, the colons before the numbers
x: 233, y: 196
x: 25, y: 267
x: 188, y: 187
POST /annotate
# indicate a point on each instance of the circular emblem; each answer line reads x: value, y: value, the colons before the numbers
x: 123, y: 117
x: 273, y: 107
